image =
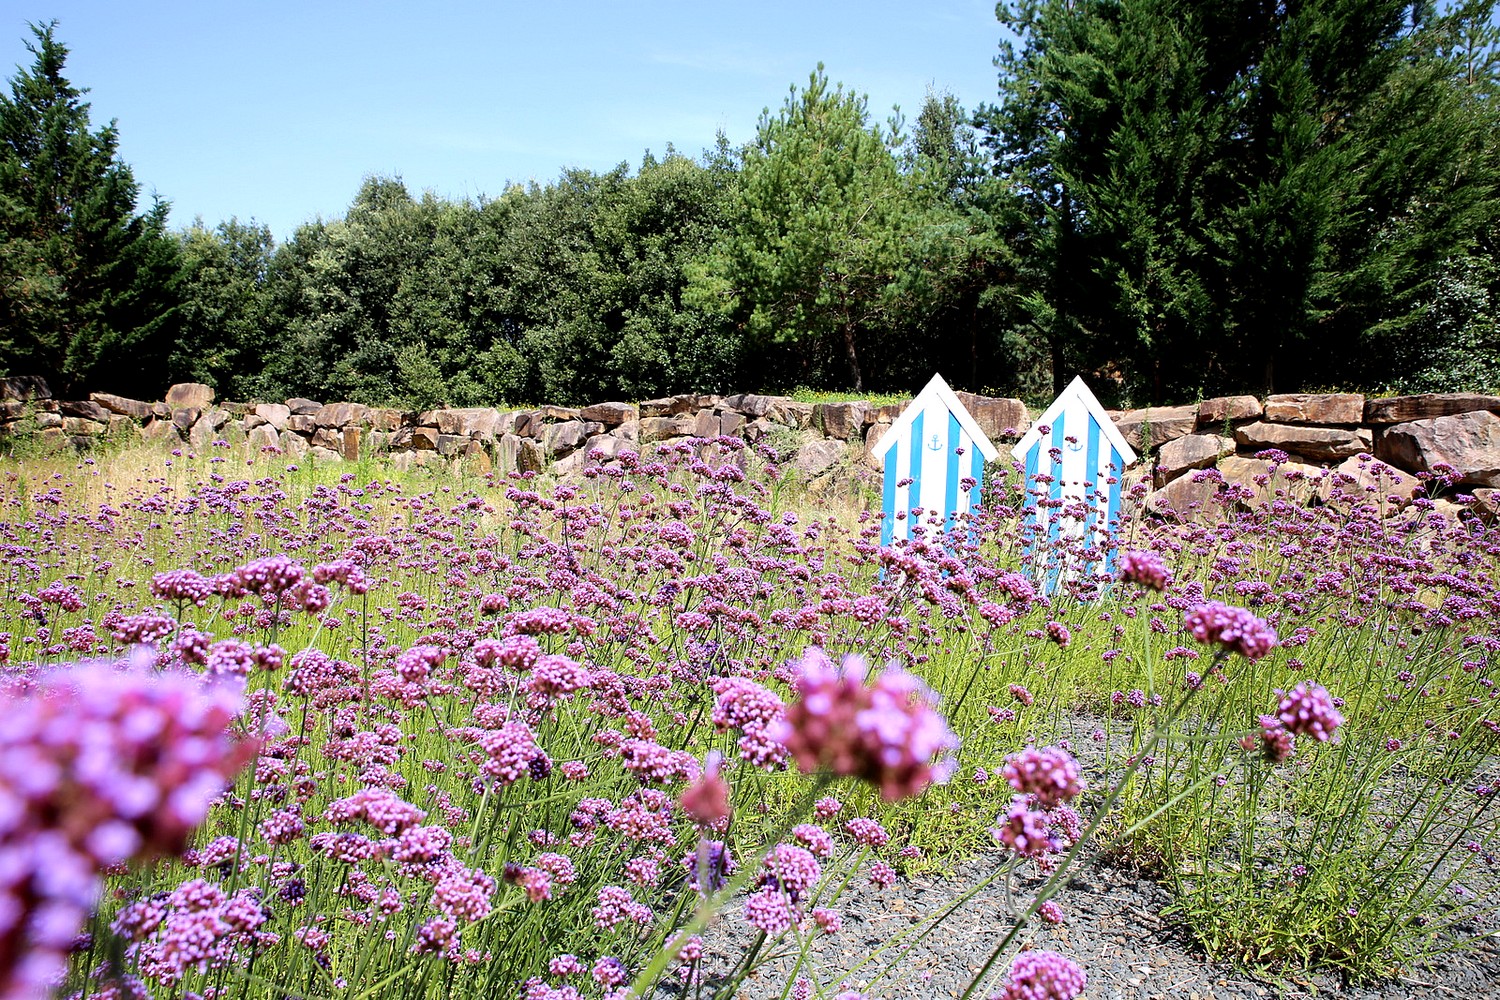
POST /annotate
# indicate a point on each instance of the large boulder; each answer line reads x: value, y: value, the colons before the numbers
x: 731, y: 422
x: 787, y: 411
x: 603, y: 447
x: 1378, y: 481
x: 707, y: 424
x: 529, y: 456
x: 1316, y: 408
x: 189, y: 394
x: 1154, y: 426
x: 295, y: 446
x: 82, y: 427
x: 1194, y: 451
x: 449, y: 445
x: 1295, y: 481
x: 24, y: 388
x: 85, y: 408
x: 1187, y: 498
x: 480, y: 422
x: 1215, y: 413
x: 275, y: 414
x: 671, y: 406
x: 133, y: 408
x: 1468, y: 442
x: 665, y: 428
x: 610, y: 414
x: 817, y: 457
x: 750, y: 404
x: 341, y: 415
x: 387, y: 420
x: 261, y: 439
x: 997, y: 416
x: 303, y: 407
x: 1401, y: 409
x: 162, y: 431
x: 562, y: 439
x: 1323, y: 444
x: 840, y: 420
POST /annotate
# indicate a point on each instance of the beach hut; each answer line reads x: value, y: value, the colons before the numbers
x: 933, y: 457
x: 1075, y: 459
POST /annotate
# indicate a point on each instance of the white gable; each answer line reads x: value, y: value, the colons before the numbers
x: 935, y: 392
x: 1076, y: 398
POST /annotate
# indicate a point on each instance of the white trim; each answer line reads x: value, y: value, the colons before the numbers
x: 1076, y: 392
x: 937, y: 390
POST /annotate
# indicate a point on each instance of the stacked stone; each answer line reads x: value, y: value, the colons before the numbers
x: 1381, y: 445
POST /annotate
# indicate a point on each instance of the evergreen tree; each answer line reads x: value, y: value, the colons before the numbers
x: 820, y: 230
x: 86, y: 283
x: 1235, y: 193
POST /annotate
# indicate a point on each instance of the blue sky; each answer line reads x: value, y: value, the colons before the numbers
x: 276, y: 111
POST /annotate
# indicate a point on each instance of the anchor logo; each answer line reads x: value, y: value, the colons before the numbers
x: 934, y: 443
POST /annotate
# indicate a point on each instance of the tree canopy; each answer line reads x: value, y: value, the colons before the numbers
x: 1238, y: 194
x: 85, y: 280
x: 1173, y: 198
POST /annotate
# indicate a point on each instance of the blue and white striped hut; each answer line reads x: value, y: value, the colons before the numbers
x: 1081, y: 458
x: 931, y: 448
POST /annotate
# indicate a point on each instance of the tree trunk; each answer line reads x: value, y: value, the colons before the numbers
x: 849, y: 352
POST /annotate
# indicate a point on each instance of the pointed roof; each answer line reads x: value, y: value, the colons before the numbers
x: 1077, y: 394
x: 938, y: 390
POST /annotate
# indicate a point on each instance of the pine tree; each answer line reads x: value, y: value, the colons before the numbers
x: 1236, y: 194
x: 86, y: 283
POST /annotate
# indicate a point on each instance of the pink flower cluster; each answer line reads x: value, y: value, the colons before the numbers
x: 887, y: 733
x: 1145, y: 568
x: 1043, y: 975
x: 1233, y: 628
x: 100, y: 764
x: 1051, y: 774
x: 1308, y: 710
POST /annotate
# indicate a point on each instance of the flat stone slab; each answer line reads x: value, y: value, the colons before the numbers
x: 1220, y: 410
x: 1401, y: 409
x: 189, y: 394
x: 1154, y: 426
x: 1308, y: 440
x: 609, y: 414
x: 1316, y: 408
x: 1193, y: 451
x: 134, y: 408
x: 998, y: 416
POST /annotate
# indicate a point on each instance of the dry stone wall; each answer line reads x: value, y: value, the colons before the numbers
x: 1295, y: 443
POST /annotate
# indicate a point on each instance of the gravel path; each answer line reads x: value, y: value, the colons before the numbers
x: 1112, y: 930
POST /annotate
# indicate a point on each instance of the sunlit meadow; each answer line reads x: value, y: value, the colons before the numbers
x: 329, y: 732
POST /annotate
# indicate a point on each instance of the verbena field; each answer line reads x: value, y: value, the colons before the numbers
x: 502, y: 737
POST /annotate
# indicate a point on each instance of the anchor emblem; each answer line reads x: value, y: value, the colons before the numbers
x: 934, y: 443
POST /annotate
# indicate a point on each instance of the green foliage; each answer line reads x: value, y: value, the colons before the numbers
x: 830, y: 245
x: 222, y: 326
x: 86, y: 283
x: 1232, y: 194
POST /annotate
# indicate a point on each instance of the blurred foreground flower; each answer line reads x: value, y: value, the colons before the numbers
x: 887, y: 732
x: 1043, y: 975
x: 100, y: 764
